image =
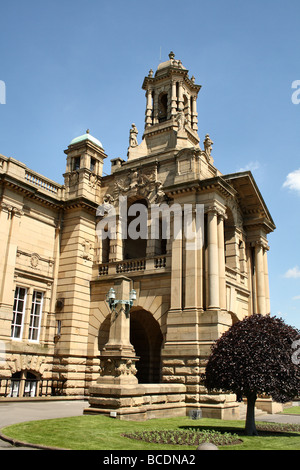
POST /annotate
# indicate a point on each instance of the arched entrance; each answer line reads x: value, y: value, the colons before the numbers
x: 146, y: 338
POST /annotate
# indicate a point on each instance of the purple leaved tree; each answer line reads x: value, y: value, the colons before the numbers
x: 253, y: 357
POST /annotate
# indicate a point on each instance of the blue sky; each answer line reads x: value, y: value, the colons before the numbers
x: 70, y: 65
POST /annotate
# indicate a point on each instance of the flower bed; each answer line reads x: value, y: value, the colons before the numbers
x: 185, y: 437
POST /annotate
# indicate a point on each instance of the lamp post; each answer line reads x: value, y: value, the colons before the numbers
x: 113, y: 302
x: 118, y: 356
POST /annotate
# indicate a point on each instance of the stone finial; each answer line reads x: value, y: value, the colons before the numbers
x: 87, y: 131
x: 150, y: 74
x: 171, y: 55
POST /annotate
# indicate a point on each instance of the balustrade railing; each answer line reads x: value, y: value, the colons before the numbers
x: 41, y: 182
x: 133, y: 265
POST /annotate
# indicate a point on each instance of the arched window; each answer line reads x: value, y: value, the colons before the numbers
x: 23, y: 384
x: 135, y: 246
x: 163, y: 107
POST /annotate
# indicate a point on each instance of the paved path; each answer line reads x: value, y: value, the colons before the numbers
x: 18, y: 412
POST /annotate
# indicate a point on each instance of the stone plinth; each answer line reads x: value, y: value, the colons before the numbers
x: 137, y: 402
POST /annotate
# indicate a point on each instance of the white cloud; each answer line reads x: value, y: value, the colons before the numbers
x: 251, y: 166
x: 293, y: 273
x: 296, y: 297
x: 292, y: 181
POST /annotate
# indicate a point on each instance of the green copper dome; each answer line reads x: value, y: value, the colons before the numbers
x: 86, y: 136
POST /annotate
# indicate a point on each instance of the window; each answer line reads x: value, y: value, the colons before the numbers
x: 35, y: 316
x: 162, y: 107
x: 23, y: 384
x: 93, y: 165
x: 18, y: 312
x: 15, y: 384
x: 76, y: 163
x: 30, y: 386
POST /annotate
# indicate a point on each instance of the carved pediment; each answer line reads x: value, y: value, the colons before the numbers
x: 139, y: 183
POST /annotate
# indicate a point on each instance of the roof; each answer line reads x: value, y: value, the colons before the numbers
x: 86, y: 136
x: 250, y: 198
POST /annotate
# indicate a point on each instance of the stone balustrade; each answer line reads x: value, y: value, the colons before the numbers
x: 42, y: 182
x: 161, y: 262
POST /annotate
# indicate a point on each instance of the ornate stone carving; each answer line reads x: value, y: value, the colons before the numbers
x: 208, y: 143
x: 93, y: 180
x: 34, y: 260
x: 11, y: 210
x: 117, y: 367
x: 126, y: 367
x: 181, y: 120
x: 143, y: 183
x: 87, y: 246
x: 133, y: 136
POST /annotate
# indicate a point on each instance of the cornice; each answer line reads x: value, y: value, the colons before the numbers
x: 30, y: 191
x: 207, y: 185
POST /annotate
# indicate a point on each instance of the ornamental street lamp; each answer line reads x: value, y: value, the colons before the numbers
x: 113, y: 302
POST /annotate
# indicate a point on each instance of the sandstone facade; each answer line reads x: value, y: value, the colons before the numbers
x: 57, y: 328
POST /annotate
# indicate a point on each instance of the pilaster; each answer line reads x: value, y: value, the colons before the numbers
x: 213, y: 259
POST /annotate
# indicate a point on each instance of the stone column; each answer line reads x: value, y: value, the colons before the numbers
x: 189, y: 111
x: 176, y: 271
x: 194, y: 113
x: 180, y: 97
x: 155, y: 107
x: 149, y: 108
x: 260, y: 277
x: 173, y: 99
x: 10, y: 219
x: 116, y: 244
x: 222, y: 280
x: 213, y: 259
x: 191, y: 250
x: 267, y: 289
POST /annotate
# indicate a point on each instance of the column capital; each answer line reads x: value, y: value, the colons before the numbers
x: 216, y: 209
x: 261, y: 242
x: 11, y: 210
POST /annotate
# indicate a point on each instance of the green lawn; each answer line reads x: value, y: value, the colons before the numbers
x: 294, y: 410
x: 103, y: 433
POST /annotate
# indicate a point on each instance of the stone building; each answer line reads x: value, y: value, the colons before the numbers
x: 139, y: 359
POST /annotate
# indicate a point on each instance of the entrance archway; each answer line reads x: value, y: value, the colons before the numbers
x: 146, y: 338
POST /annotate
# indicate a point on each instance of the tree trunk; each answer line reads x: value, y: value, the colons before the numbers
x: 250, y: 427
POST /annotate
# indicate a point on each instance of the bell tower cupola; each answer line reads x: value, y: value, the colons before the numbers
x: 169, y: 93
x: 171, y: 119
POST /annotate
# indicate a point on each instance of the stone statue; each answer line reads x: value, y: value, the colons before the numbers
x: 207, y: 145
x: 181, y: 119
x: 133, y: 136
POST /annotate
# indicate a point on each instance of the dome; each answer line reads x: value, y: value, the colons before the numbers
x: 170, y: 63
x: 86, y: 136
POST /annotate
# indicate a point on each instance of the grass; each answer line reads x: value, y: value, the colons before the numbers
x: 89, y: 432
x: 294, y: 410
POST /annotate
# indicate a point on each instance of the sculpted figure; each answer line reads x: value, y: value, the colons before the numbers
x: 181, y: 119
x: 207, y: 145
x: 133, y: 136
